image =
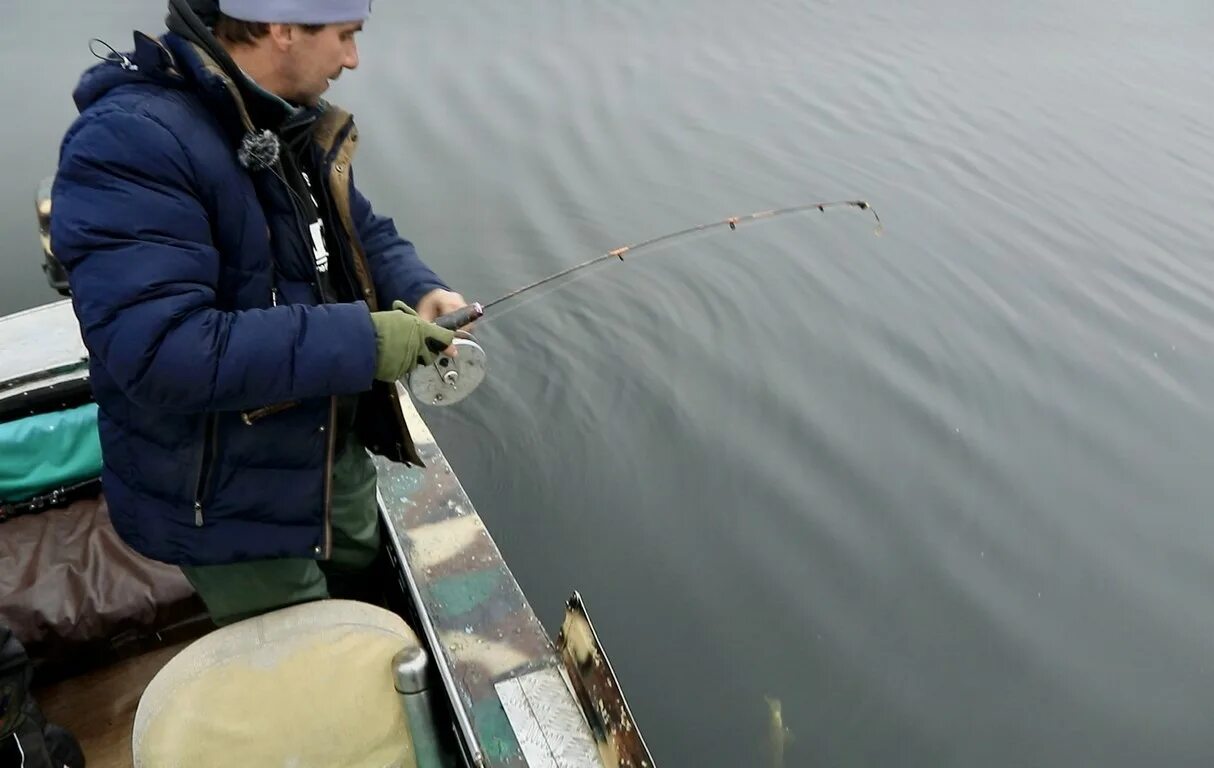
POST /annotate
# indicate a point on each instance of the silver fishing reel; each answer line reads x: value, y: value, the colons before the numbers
x: 450, y: 379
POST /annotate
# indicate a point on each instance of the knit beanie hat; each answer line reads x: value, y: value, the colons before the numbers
x: 297, y: 11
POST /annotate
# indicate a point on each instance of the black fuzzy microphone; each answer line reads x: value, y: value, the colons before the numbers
x: 258, y: 151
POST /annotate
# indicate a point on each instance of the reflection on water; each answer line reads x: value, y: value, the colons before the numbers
x: 940, y: 497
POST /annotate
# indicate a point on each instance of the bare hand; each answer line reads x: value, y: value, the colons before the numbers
x: 439, y: 302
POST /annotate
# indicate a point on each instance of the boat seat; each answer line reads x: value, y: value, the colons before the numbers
x: 309, y: 685
x: 70, y: 585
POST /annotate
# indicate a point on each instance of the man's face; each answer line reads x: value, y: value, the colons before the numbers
x: 314, y: 58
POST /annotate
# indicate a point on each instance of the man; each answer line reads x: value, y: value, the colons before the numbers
x: 245, y: 309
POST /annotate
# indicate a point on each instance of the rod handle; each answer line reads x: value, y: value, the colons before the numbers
x: 453, y: 321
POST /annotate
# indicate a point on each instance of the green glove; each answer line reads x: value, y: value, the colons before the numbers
x: 404, y: 341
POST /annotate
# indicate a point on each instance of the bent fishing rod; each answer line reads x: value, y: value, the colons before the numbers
x: 450, y: 379
x: 472, y: 312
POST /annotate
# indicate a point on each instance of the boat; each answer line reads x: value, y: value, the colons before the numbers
x: 477, y: 677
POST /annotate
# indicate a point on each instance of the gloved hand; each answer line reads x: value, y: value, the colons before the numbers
x: 404, y: 341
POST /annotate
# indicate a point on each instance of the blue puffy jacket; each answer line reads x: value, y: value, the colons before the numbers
x: 216, y: 367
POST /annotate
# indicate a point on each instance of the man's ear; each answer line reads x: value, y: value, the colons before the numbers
x: 283, y: 35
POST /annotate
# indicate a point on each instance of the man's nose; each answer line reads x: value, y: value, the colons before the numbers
x: 351, y: 60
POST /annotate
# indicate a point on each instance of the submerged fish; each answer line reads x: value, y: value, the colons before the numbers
x: 778, y: 735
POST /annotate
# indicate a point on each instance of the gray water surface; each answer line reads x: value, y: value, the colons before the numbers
x: 945, y: 493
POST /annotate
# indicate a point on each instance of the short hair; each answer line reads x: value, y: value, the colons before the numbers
x: 238, y: 32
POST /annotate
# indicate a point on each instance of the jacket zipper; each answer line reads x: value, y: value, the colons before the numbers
x: 328, y: 546
x: 205, y: 468
x: 273, y: 268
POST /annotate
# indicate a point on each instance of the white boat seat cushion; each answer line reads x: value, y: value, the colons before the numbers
x: 310, y: 685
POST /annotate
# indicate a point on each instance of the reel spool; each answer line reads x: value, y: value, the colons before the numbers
x: 450, y: 379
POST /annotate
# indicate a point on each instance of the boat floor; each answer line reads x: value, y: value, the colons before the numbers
x: 98, y: 707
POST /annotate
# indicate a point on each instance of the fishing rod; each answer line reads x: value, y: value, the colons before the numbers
x: 450, y: 379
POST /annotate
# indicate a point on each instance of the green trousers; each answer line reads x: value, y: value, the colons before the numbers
x: 237, y: 591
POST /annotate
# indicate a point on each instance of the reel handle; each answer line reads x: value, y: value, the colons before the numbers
x: 453, y: 321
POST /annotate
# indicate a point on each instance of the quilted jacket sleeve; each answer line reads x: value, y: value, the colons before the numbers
x: 396, y: 269
x: 136, y: 241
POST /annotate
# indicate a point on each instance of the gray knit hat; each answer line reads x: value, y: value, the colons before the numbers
x: 297, y: 11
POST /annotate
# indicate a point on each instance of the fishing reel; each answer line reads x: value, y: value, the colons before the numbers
x: 449, y: 380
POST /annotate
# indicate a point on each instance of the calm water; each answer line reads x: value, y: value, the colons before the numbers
x: 945, y: 493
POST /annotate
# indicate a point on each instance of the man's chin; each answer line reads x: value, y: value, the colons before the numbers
x: 312, y: 99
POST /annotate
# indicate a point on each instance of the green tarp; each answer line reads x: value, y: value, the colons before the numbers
x: 44, y: 452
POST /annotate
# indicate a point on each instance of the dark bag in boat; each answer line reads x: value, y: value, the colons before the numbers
x: 26, y: 739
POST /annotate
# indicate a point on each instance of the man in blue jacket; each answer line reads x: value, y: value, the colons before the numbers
x: 245, y: 310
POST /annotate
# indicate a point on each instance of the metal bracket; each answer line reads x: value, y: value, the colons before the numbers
x: 598, y: 692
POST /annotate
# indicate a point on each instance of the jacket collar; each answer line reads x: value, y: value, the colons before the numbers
x: 240, y: 102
